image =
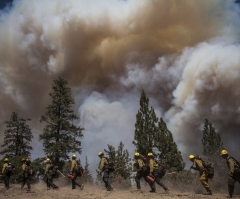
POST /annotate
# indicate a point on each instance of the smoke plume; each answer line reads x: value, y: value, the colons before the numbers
x: 184, y: 54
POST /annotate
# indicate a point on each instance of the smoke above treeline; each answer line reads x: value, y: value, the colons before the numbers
x: 184, y: 54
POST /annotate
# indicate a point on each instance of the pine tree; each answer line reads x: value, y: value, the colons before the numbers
x: 169, y: 155
x: 98, y: 180
x: 60, y: 135
x: 212, y: 147
x: 122, y: 161
x: 87, y: 177
x: 145, y: 127
x: 111, y: 153
x: 18, y: 136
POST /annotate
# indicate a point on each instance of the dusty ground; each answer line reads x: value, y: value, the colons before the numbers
x: 94, y: 192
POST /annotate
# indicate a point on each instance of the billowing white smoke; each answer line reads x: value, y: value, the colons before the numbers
x: 206, y: 79
x: 109, y: 51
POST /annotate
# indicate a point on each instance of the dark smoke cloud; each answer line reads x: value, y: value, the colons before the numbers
x: 109, y: 51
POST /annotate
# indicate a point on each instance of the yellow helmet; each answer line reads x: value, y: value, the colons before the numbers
x: 137, y: 154
x: 100, y: 153
x: 23, y: 160
x: 6, y: 160
x: 74, y: 156
x: 47, y: 160
x: 150, y: 154
x: 224, y: 152
x: 191, y: 157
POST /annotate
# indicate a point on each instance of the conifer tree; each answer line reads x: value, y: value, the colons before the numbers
x: 212, y: 147
x: 168, y: 155
x: 111, y: 153
x: 60, y: 136
x: 18, y: 136
x: 87, y: 177
x: 145, y: 127
x: 122, y: 161
x: 98, y: 180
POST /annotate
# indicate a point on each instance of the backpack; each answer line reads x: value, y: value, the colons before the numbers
x: 31, y: 171
x: 145, y: 167
x: 10, y: 169
x: 111, y: 165
x: 161, y: 170
x: 55, y: 173
x: 208, y: 166
x: 237, y: 162
x: 79, y: 170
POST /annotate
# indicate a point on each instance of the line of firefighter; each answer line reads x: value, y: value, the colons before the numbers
x: 234, y: 172
x: 145, y: 171
x: 149, y: 171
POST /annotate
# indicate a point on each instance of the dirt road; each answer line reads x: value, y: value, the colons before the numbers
x: 94, y: 192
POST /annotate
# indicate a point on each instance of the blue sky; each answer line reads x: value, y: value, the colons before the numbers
x: 3, y: 3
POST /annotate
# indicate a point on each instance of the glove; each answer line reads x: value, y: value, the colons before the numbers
x: 138, y: 170
x: 151, y: 174
x: 70, y: 173
x: 100, y: 173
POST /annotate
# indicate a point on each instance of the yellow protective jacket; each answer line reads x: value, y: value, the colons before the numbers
x: 23, y: 167
x: 4, y: 167
x: 27, y: 169
x: 152, y: 165
x: 199, y: 166
x: 103, y: 163
x: 232, y: 165
x: 140, y: 164
x: 73, y: 165
x: 48, y: 166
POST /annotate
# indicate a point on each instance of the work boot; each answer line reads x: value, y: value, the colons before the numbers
x: 167, y: 190
x: 81, y: 187
x: 208, y: 193
x: 152, y: 191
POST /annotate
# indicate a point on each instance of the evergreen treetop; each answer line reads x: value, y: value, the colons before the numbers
x: 212, y: 147
x: 87, y: 176
x: 145, y: 127
x: 168, y: 155
x: 60, y: 135
x: 18, y: 136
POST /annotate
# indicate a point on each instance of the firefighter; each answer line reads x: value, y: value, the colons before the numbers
x: 26, y: 173
x: 140, y: 170
x: 203, y: 174
x: 104, y: 168
x: 23, y: 161
x: 234, y: 171
x: 5, y: 174
x: 73, y: 172
x: 154, y: 173
x: 49, y: 175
